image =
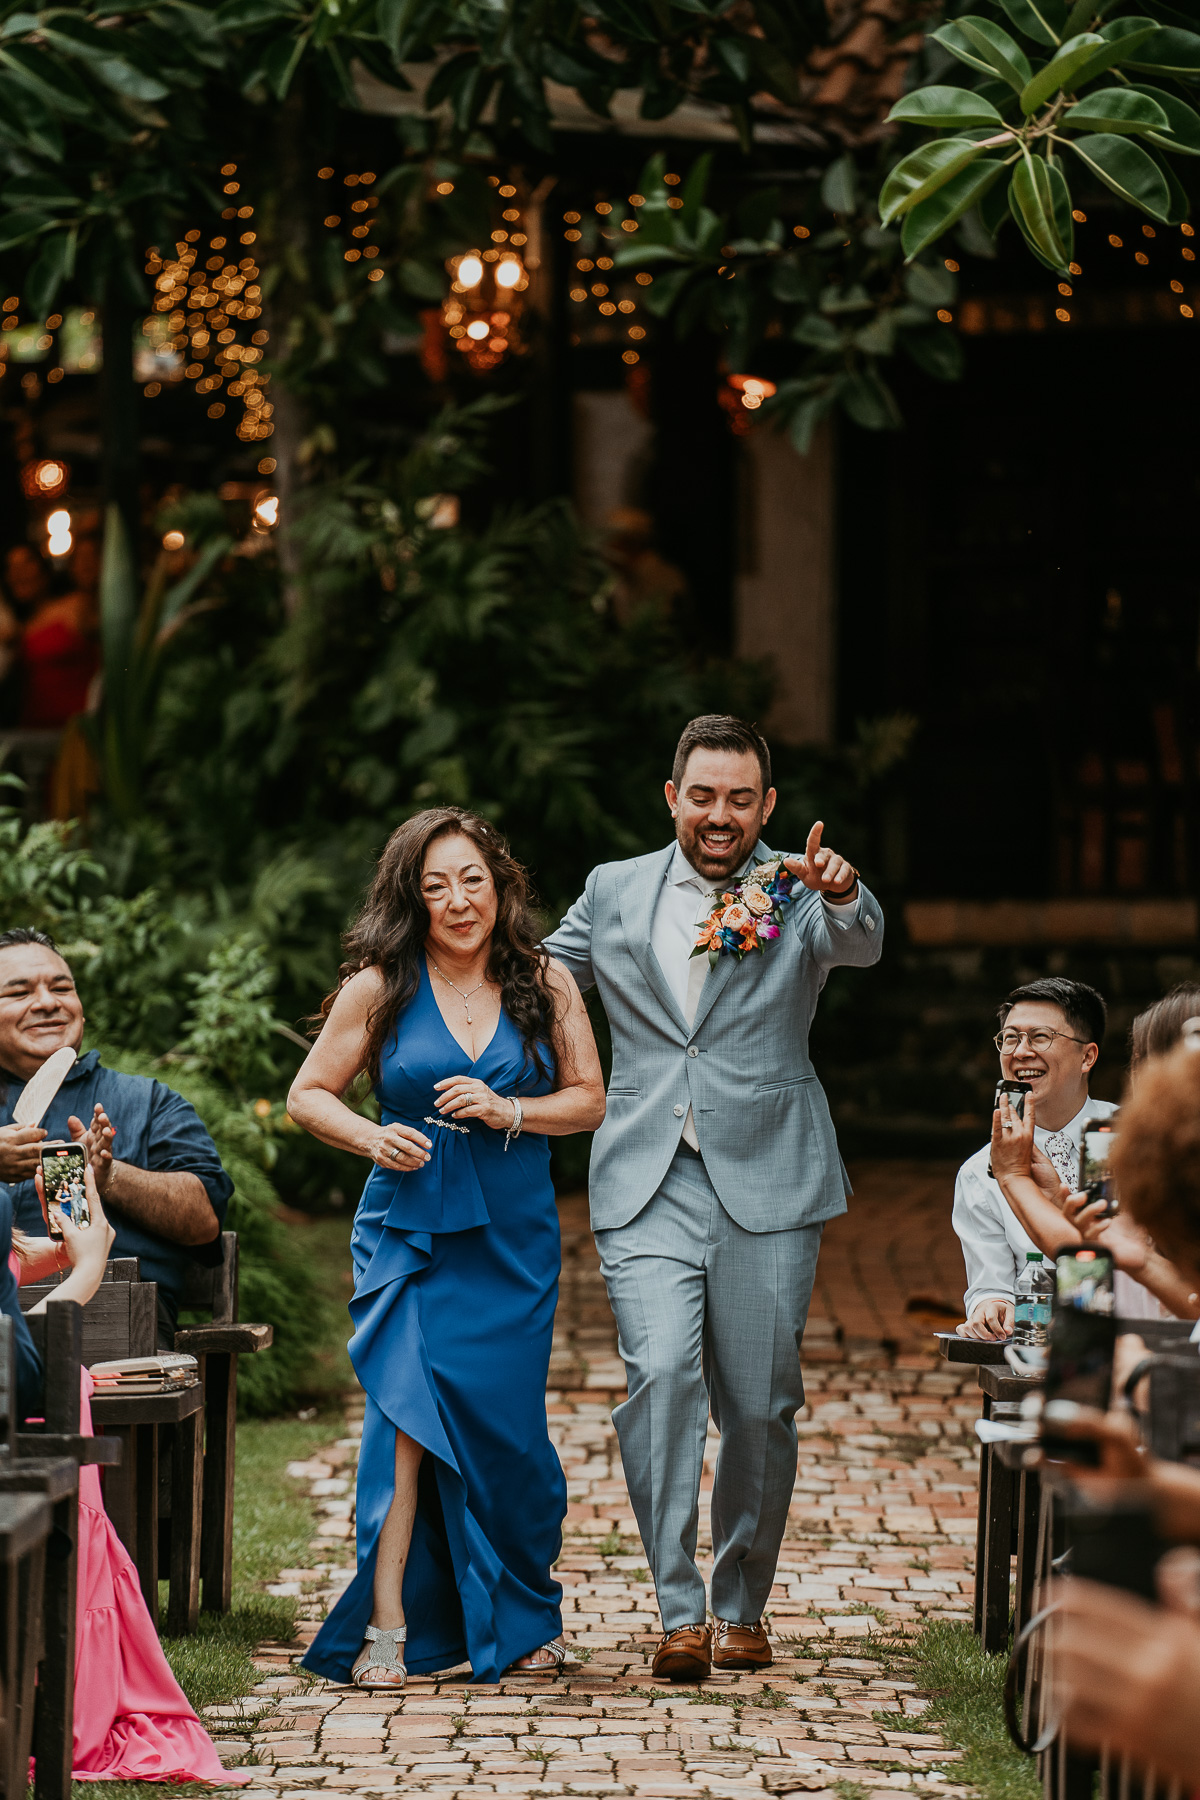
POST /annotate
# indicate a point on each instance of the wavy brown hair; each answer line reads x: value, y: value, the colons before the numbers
x: 390, y: 931
x: 1156, y: 1153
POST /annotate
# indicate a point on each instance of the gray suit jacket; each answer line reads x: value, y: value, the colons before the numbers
x: 761, y: 1115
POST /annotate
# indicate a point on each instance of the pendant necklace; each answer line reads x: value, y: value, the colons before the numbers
x: 465, y: 998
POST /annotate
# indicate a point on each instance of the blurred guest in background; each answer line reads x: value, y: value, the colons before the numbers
x: 59, y: 644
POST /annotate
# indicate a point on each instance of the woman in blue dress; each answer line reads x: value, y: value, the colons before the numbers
x: 480, y: 1049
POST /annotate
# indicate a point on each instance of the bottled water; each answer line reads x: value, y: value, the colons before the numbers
x: 1035, y: 1290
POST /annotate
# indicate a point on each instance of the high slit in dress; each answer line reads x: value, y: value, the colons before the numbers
x: 455, y: 1280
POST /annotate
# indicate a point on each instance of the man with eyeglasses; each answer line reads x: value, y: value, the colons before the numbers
x: 1050, y: 1036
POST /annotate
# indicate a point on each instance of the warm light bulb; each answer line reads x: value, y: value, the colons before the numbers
x: 478, y: 329
x: 508, y: 272
x: 58, y: 525
x: 266, y: 512
x: 469, y: 271
x: 173, y: 540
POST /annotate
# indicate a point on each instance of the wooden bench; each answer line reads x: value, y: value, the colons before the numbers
x: 217, y: 1346
x: 121, y: 1320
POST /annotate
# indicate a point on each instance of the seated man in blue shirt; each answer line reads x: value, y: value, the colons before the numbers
x: 163, y: 1184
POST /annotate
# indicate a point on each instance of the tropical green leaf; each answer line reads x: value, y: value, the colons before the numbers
x: 42, y: 190
x: 839, y: 186
x: 870, y: 401
x: 938, y: 351
x: 244, y: 15
x: 48, y: 272
x: 927, y: 221
x: 983, y: 45
x: 945, y: 106
x: 994, y: 208
x: 1169, y: 52
x: 1117, y: 109
x: 817, y: 331
x: 19, y: 227
x: 1121, y: 39
x: 1059, y: 71
x: 280, y: 61
x: 930, y: 285
x: 1041, y: 20
x: 922, y: 172
x: 807, y: 417
x: 1183, y: 121
x: 1031, y: 196
x: 1127, y: 169
x: 60, y: 88
x: 1179, y: 206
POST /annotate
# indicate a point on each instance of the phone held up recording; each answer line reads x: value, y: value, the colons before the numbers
x: 1095, y: 1162
x: 63, y: 1184
x: 1083, y: 1335
x: 1016, y: 1091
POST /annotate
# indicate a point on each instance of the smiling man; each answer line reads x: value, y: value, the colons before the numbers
x: 155, y: 1164
x: 712, y: 1176
x: 1050, y: 1036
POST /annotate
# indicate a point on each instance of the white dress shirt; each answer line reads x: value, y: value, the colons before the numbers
x: 683, y: 904
x: 994, y: 1242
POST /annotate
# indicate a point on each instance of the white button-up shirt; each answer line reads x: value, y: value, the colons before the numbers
x: 994, y: 1242
x: 683, y: 903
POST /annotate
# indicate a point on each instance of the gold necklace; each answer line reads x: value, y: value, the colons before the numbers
x: 465, y: 998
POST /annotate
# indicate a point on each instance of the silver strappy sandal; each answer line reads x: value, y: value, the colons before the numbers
x: 381, y: 1651
x: 557, y: 1649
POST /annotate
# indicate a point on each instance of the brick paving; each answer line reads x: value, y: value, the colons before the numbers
x: 880, y: 1539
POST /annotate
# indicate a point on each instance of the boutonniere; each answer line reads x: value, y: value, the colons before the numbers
x: 748, y: 915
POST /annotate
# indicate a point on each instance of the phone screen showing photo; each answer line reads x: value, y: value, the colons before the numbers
x: 62, y: 1175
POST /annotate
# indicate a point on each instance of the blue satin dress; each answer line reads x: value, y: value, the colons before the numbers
x: 456, y: 1276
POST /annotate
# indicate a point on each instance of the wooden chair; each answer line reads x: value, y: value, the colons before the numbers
x: 47, y: 1462
x: 26, y: 1522
x: 121, y: 1320
x: 217, y: 1347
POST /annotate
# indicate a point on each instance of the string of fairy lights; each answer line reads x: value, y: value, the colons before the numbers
x: 610, y: 298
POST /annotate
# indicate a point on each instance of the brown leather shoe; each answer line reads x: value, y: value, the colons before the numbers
x: 740, y: 1646
x: 684, y: 1654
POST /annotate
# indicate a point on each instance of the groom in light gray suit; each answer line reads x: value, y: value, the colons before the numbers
x: 711, y: 1179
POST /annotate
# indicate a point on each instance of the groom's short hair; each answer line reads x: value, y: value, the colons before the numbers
x: 721, y: 731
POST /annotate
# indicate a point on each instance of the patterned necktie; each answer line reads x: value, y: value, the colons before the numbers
x: 1062, y: 1153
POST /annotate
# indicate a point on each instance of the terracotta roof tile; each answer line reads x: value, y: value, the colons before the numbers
x: 849, y: 84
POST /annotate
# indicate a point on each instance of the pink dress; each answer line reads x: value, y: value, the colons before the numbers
x: 132, y: 1719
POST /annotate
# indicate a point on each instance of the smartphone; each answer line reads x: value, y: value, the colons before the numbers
x: 1016, y: 1091
x: 1083, y: 1335
x: 1095, y: 1171
x: 62, y: 1179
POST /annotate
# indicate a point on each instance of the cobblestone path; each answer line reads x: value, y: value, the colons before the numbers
x: 880, y: 1539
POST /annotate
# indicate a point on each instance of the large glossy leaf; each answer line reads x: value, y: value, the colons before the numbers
x: 922, y: 172
x: 1041, y: 20
x: 937, y: 350
x: 27, y: 124
x: 1127, y: 169
x: 1184, y: 123
x: 870, y: 401
x: 244, y: 15
x: 1031, y: 197
x: 986, y: 46
x: 1121, y: 39
x: 993, y: 210
x: 52, y: 82
x: 930, y: 285
x: 1060, y: 71
x: 49, y: 271
x: 41, y: 191
x: 1179, y: 206
x: 945, y: 106
x: 927, y: 221
x: 19, y: 227
x: 1116, y: 109
x: 1169, y: 52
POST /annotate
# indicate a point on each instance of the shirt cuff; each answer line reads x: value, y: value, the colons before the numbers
x: 843, y: 912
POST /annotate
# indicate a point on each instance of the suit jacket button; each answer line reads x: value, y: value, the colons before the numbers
x: 679, y: 1112
x: 692, y: 1050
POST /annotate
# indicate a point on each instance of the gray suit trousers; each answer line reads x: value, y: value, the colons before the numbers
x: 709, y: 1317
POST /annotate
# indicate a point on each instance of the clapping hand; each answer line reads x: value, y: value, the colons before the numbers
x: 823, y: 870
x: 98, y: 1137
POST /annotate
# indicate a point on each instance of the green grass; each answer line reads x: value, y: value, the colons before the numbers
x: 273, y: 1528
x: 966, y: 1695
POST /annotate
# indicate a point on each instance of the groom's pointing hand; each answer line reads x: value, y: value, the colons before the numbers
x: 823, y: 870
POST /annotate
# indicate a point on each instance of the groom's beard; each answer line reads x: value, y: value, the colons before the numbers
x: 711, y: 861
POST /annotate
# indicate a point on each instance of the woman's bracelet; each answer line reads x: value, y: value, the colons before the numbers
x: 514, y: 1129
